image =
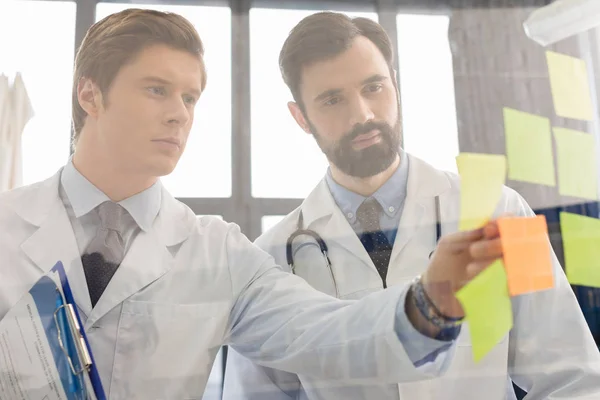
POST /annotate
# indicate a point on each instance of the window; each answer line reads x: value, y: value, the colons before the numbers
x: 286, y: 162
x: 46, y: 63
x: 269, y: 221
x: 205, y: 168
x: 427, y: 89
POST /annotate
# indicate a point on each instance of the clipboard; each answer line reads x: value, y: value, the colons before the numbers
x: 44, y: 351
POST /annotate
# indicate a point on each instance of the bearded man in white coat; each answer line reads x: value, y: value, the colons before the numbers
x: 376, y: 211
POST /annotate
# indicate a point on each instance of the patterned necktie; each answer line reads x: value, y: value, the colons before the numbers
x: 373, y: 239
x: 106, y: 251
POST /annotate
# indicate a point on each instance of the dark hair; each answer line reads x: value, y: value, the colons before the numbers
x: 117, y: 39
x: 322, y: 36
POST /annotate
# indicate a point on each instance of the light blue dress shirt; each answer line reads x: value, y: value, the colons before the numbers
x: 81, y: 199
x: 391, y: 196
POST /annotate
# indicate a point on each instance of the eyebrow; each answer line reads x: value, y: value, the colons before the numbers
x: 156, y: 79
x: 333, y: 92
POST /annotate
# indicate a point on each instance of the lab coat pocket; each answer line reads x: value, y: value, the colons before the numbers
x: 165, y: 351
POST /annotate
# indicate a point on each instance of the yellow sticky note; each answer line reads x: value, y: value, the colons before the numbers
x: 581, y: 243
x: 570, y: 86
x: 528, y: 147
x: 488, y: 309
x: 482, y: 179
x: 577, y: 163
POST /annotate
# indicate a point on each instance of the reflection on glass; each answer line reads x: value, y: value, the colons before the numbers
x: 427, y: 89
x: 205, y: 168
x: 45, y: 61
x: 286, y: 162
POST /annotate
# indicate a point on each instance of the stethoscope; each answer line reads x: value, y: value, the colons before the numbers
x: 325, y: 250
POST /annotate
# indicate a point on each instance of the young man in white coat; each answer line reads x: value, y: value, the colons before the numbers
x: 160, y: 291
x: 340, y: 73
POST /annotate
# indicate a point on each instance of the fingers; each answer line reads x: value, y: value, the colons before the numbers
x: 491, y: 230
x: 459, y: 241
x: 485, y: 249
x: 462, y: 237
x: 474, y: 268
x: 455, y: 248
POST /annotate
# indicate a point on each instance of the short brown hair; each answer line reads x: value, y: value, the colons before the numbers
x: 117, y: 39
x: 323, y: 36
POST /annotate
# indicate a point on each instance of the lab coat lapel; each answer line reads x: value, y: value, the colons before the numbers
x: 54, y: 240
x: 147, y: 260
x: 324, y: 216
x: 150, y: 256
x: 424, y: 183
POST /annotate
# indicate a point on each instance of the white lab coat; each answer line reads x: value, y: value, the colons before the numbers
x: 188, y: 286
x: 550, y: 351
x: 15, y: 113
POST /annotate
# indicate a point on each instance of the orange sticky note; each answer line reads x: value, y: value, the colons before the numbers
x: 526, y: 254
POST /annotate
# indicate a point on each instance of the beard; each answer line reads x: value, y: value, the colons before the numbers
x: 366, y: 162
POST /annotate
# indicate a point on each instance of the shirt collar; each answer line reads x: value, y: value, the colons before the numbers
x: 390, y: 195
x: 84, y: 197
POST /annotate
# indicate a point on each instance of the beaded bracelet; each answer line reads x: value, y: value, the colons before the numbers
x: 429, y: 310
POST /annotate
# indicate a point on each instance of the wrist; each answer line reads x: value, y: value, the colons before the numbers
x: 429, y: 311
x: 417, y: 320
x: 441, y: 295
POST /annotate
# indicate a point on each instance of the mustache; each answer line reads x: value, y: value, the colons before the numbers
x: 361, y: 129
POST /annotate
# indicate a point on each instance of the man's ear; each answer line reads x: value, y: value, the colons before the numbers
x: 299, y: 116
x: 89, y: 97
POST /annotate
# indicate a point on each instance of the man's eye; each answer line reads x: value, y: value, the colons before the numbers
x: 190, y: 99
x: 160, y: 91
x: 374, y: 88
x: 332, y: 101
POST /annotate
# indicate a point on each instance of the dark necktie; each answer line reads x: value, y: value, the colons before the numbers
x: 373, y: 239
x: 106, y: 251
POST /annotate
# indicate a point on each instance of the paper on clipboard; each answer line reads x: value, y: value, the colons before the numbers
x: 37, y: 355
